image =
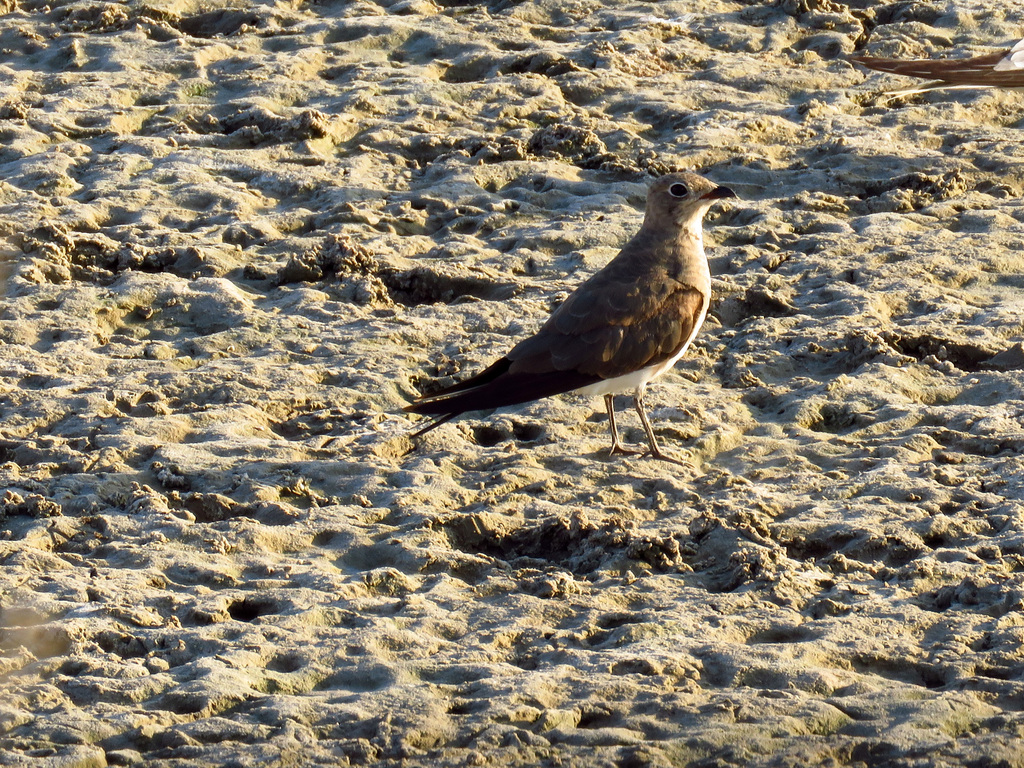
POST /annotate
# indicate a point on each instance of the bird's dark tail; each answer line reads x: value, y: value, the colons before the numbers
x: 495, y: 387
x: 435, y: 423
x: 458, y: 398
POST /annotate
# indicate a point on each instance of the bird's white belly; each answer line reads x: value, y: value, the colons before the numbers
x: 629, y: 382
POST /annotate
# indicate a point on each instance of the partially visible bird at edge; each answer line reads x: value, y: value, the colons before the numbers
x: 627, y: 324
x: 1003, y: 69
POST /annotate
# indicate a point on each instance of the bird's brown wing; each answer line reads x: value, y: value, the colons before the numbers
x: 614, y: 329
x: 977, y: 71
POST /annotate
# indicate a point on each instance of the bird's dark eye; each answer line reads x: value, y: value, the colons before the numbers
x: 678, y: 190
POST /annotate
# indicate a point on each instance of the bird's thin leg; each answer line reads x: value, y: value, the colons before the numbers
x: 655, y: 452
x: 617, y: 447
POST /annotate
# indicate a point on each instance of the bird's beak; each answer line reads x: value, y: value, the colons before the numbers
x: 718, y: 193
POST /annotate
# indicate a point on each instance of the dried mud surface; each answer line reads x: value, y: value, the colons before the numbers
x: 237, y: 238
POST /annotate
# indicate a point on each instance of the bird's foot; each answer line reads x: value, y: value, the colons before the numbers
x: 657, y: 453
x: 617, y: 447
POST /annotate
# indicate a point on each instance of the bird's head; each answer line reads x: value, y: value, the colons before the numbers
x: 682, y: 199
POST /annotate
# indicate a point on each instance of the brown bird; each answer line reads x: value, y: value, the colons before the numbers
x: 1004, y: 69
x: 628, y: 323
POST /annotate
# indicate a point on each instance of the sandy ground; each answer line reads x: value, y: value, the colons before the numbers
x: 237, y: 238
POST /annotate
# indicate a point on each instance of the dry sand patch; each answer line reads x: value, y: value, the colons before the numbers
x: 238, y: 238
